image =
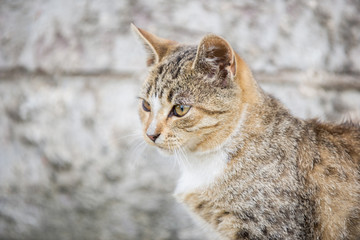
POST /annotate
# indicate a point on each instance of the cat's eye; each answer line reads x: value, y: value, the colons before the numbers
x: 146, y: 106
x: 181, y: 110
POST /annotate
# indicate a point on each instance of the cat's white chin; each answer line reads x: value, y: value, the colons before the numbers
x: 165, y: 152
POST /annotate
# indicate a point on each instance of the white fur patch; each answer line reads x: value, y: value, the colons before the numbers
x: 155, y: 107
x: 200, y: 170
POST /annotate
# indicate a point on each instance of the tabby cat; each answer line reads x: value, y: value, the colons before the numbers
x: 251, y: 170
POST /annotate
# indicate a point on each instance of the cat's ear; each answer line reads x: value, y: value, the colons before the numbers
x: 216, y: 57
x: 156, y: 47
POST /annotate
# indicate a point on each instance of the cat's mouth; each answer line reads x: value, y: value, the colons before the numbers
x: 167, y: 147
x: 169, y: 150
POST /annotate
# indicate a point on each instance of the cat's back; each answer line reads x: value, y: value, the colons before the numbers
x: 343, y: 139
x: 333, y: 176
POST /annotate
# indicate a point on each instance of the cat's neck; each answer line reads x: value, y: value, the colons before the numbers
x: 230, y: 144
x: 200, y: 170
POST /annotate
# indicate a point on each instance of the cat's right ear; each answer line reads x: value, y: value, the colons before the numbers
x: 216, y: 57
x: 156, y: 47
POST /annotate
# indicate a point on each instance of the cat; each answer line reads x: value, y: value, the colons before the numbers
x: 250, y: 169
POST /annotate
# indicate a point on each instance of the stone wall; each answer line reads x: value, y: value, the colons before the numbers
x: 72, y: 161
x: 94, y: 36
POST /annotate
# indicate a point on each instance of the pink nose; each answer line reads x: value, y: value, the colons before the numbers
x: 153, y: 137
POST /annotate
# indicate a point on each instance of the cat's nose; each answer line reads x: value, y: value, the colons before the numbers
x: 153, y: 137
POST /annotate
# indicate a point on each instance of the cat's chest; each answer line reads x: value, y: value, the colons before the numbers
x: 200, y: 171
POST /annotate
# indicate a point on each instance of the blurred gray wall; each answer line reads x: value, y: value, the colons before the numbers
x: 72, y: 162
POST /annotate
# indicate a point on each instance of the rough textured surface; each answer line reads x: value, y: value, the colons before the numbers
x: 91, y: 36
x: 71, y: 163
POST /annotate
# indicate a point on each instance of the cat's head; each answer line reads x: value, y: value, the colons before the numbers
x: 192, y: 97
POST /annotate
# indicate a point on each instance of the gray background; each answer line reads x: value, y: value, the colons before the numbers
x: 72, y: 161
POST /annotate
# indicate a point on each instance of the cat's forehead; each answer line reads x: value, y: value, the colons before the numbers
x: 170, y: 77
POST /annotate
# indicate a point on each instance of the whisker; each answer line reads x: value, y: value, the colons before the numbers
x: 136, y: 152
x: 180, y: 159
x: 130, y: 136
x: 173, y: 157
x: 182, y: 151
x: 176, y: 157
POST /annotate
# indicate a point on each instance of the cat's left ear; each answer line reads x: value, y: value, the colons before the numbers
x: 216, y: 57
x: 156, y: 47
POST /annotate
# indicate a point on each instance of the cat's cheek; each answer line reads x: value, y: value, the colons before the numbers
x: 144, y: 122
x: 191, y: 142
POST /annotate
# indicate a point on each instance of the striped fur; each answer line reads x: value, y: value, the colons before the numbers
x: 250, y: 169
